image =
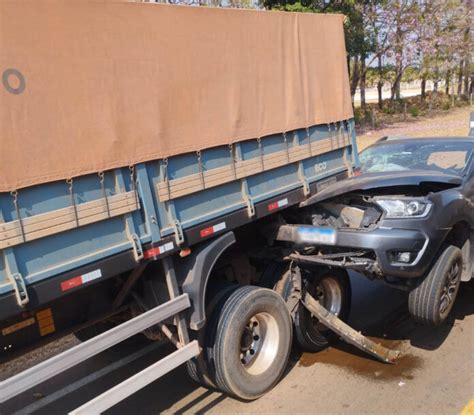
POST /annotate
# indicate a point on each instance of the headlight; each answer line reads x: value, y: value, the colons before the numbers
x: 405, y: 208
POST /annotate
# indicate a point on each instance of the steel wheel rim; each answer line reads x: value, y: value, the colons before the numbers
x: 449, y: 289
x: 329, y: 295
x: 259, y: 343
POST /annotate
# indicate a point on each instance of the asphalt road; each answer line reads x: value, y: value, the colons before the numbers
x: 435, y: 376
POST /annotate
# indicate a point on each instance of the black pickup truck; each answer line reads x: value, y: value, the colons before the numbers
x: 406, y: 216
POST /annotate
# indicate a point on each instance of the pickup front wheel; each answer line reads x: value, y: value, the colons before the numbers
x: 432, y: 301
x: 332, y: 288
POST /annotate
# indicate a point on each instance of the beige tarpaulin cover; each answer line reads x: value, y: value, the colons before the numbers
x: 88, y: 86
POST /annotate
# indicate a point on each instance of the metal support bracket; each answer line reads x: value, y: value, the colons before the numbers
x: 349, y: 161
x: 173, y: 290
x: 247, y: 198
x: 352, y: 134
x: 19, y: 286
x: 137, y: 246
x: 169, y: 205
x: 13, y: 274
x: 144, y: 187
x: 128, y: 285
x: 178, y: 232
x: 128, y: 218
x: 244, y: 188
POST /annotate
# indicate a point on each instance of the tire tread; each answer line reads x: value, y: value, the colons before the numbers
x: 230, y: 311
x: 423, y: 300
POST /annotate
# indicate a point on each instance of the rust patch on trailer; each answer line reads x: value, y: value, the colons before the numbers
x: 350, y: 359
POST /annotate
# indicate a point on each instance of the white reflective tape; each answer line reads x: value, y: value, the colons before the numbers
x: 93, y: 275
x: 472, y: 124
x: 166, y: 247
x: 282, y: 202
x: 219, y: 227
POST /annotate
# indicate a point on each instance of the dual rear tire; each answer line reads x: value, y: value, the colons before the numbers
x: 246, y: 345
x: 248, y: 336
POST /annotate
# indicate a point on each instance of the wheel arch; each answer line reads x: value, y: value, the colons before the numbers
x: 195, y: 271
x: 458, y: 234
x: 461, y: 236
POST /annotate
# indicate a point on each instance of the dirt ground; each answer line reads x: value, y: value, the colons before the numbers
x: 452, y: 123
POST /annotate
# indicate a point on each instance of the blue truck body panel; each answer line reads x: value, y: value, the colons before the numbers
x: 45, y: 257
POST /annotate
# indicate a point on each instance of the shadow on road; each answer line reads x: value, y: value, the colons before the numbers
x: 381, y: 312
x: 398, y: 325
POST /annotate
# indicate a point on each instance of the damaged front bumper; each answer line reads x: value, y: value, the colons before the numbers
x: 382, y: 252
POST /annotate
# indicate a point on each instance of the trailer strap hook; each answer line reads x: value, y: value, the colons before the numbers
x: 104, y: 192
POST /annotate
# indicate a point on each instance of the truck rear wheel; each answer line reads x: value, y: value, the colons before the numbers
x: 432, y: 301
x: 332, y: 288
x: 251, y: 343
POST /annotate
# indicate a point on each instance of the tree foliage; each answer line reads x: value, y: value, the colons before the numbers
x: 429, y: 38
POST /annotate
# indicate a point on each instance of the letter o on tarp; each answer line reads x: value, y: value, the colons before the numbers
x: 7, y: 76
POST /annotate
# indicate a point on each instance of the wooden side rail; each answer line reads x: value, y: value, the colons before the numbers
x: 196, y: 182
x: 60, y: 220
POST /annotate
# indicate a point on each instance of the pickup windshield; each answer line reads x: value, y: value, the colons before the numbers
x: 446, y: 157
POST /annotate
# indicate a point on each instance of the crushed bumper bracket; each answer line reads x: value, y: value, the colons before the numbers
x: 347, y: 333
x: 349, y: 260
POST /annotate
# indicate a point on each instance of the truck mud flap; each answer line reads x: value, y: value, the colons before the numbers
x: 347, y: 333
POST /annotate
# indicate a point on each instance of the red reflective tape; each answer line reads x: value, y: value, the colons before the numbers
x: 73, y: 282
x: 273, y: 206
x: 150, y: 253
x: 206, y: 232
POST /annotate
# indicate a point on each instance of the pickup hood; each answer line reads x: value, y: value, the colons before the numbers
x: 369, y: 181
